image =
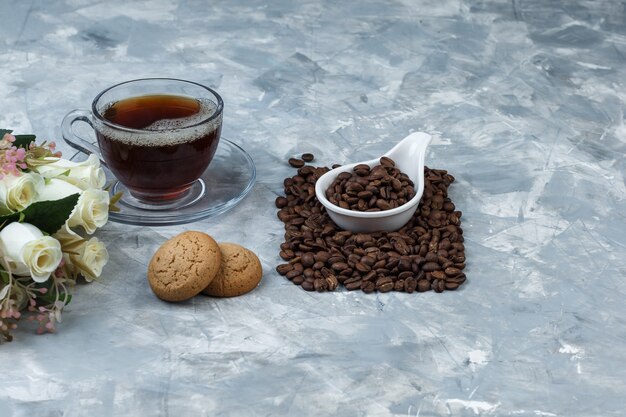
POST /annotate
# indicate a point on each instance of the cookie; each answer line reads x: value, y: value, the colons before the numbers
x: 183, y: 266
x: 240, y: 273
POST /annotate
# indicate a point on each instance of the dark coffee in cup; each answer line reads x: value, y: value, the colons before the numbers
x: 158, y: 145
x: 156, y: 135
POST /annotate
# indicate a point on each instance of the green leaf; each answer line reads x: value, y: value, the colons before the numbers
x: 49, y: 216
x: 23, y: 141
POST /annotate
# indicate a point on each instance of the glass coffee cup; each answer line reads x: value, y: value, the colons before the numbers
x: 156, y: 135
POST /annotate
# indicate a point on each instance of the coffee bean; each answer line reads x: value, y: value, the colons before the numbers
x: 438, y: 275
x: 368, y: 287
x: 353, y: 285
x: 430, y: 266
x: 292, y: 274
x: 307, y: 157
x: 347, y: 272
x: 297, y: 221
x: 281, y: 202
x: 383, y: 204
x: 384, y: 284
x: 423, y: 285
x: 308, y: 286
x: 431, y: 257
x: 387, y: 162
x: 410, y: 284
x: 379, y: 264
x: 458, y: 259
x: 448, y: 206
x: 282, y: 269
x: 307, y: 259
x: 296, y: 163
x: 405, y: 274
x: 452, y: 285
x: 368, y: 260
x: 335, y: 259
x: 339, y: 266
x: 353, y: 188
x: 318, y: 265
x: 459, y: 279
x: 320, y: 285
x: 404, y: 265
x: 284, y: 215
x: 364, y: 196
x: 438, y: 285
x: 361, y: 267
x: 447, y: 264
x: 331, y: 282
x: 451, y: 271
x: 322, y: 256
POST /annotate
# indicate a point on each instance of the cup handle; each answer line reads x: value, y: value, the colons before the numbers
x: 72, y: 139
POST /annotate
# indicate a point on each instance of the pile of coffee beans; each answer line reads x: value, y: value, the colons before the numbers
x: 425, y: 254
x: 380, y: 188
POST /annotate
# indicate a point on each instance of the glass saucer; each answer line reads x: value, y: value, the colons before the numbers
x: 227, y: 180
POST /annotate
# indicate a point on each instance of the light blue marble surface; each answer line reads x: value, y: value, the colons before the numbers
x: 526, y: 99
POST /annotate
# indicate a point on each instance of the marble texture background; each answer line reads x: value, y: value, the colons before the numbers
x: 526, y: 99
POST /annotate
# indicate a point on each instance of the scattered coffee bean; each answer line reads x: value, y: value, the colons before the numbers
x: 296, y: 163
x: 425, y: 254
x: 307, y: 157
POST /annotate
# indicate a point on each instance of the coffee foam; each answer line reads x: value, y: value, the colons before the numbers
x: 167, y: 132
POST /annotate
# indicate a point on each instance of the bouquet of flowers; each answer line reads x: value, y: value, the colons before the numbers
x: 45, y: 201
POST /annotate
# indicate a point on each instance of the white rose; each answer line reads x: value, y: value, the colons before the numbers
x: 29, y: 252
x: 85, y: 174
x: 18, y: 192
x: 89, y: 258
x: 56, y: 189
x: 92, y: 209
